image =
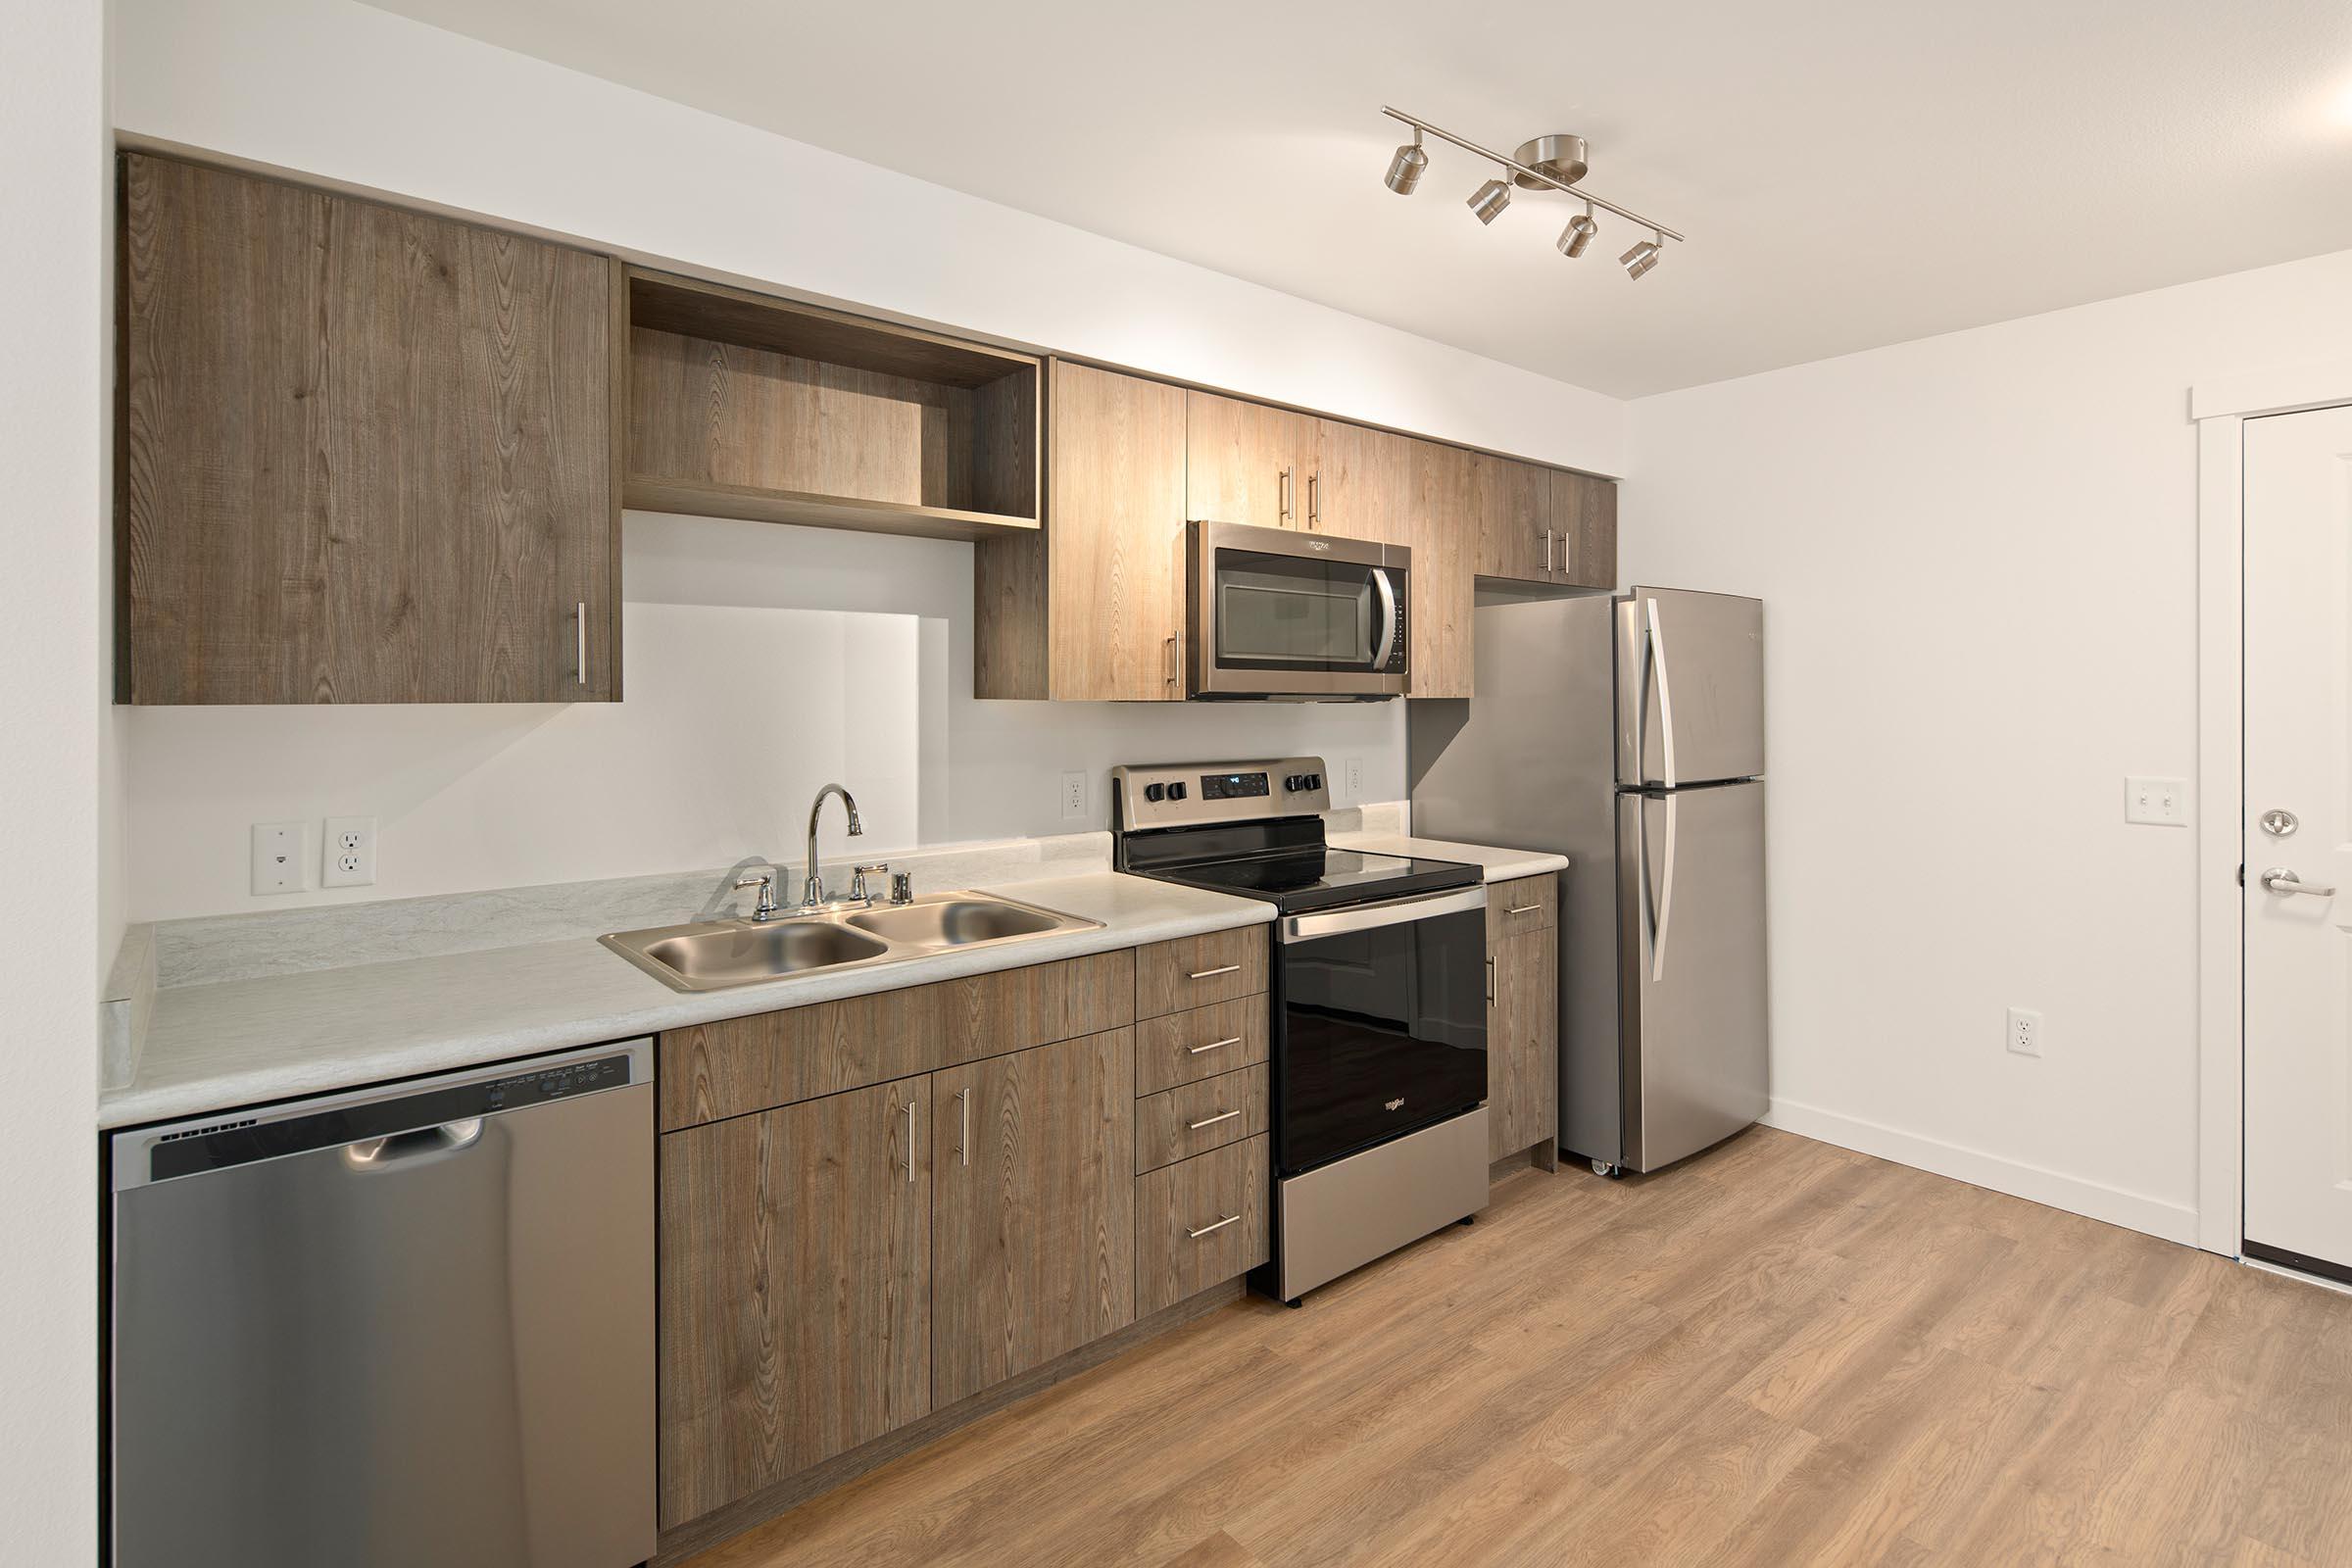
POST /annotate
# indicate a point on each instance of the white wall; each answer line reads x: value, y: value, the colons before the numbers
x: 53, y: 255
x: 477, y: 797
x: 761, y: 663
x: 1979, y: 559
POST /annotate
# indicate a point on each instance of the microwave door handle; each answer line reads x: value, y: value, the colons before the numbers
x: 1388, y: 618
x: 1657, y: 644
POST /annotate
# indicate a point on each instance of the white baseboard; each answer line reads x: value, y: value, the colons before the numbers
x: 2173, y: 1222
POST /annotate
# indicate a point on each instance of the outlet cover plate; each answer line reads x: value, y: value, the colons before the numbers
x: 2156, y: 802
x: 2024, y: 1031
x: 278, y: 857
x: 1073, y: 797
x: 347, y: 853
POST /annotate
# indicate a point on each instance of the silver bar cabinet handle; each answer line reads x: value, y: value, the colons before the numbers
x: 1230, y: 1219
x: 580, y: 622
x: 2278, y: 879
x: 1286, y: 495
x: 964, y: 1125
x: 1211, y: 974
x: 1314, y: 501
x: 1213, y: 1045
x: 1522, y: 908
x: 1211, y: 1121
x: 1547, y: 566
x: 1490, y: 977
x: 911, y: 1142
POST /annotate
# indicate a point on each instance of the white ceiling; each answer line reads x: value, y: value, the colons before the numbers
x: 1851, y: 173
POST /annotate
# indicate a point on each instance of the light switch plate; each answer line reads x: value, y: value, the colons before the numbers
x: 278, y: 857
x: 2156, y: 802
x: 347, y: 853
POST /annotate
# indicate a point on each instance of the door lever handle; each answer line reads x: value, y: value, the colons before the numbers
x: 2280, y: 880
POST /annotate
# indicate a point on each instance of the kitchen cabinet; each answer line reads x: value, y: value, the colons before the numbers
x: 1199, y: 1221
x: 1362, y: 484
x: 1090, y: 608
x: 1033, y: 1228
x: 367, y: 454
x: 1516, y: 538
x: 1523, y: 1017
x: 1247, y: 463
x: 1445, y: 545
x: 796, y: 1268
x: 1584, y: 514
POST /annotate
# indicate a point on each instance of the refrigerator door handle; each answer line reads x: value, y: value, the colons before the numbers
x: 1655, y: 648
x: 1665, y: 915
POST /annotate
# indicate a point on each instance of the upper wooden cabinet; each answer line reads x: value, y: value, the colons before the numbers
x: 1584, y: 511
x: 1091, y: 608
x: 1363, y: 483
x: 367, y: 456
x: 1516, y: 538
x: 1444, y: 539
x: 1247, y: 463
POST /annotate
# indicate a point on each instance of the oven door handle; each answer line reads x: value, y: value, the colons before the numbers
x: 1388, y: 618
x: 1389, y: 912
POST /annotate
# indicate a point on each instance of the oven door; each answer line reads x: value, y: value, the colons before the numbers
x: 1283, y: 613
x: 1380, y: 1019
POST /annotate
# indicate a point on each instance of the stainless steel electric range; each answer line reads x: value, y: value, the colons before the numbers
x: 1378, y: 997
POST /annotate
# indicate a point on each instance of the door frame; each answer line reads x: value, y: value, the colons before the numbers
x: 2220, y: 407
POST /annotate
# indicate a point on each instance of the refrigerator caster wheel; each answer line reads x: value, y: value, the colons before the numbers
x: 1296, y: 1303
x: 1601, y: 1167
x: 1467, y: 1219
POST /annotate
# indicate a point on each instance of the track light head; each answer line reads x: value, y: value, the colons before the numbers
x: 1490, y: 201
x: 1408, y: 167
x: 1577, y: 235
x: 1640, y: 258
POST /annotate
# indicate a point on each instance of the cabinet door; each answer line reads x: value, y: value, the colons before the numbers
x: 1362, y: 484
x: 1516, y: 538
x: 1445, y: 546
x: 1583, y: 510
x: 1114, y: 532
x: 1246, y: 462
x: 796, y: 1290
x: 368, y: 455
x: 1523, y: 1043
x: 1033, y: 1241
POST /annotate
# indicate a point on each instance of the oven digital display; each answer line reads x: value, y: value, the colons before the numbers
x: 1231, y: 786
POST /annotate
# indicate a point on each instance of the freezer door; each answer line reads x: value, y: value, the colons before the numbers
x: 1693, y: 1015
x: 1690, y: 688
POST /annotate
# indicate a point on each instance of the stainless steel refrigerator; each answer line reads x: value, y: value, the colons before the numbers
x: 1626, y: 733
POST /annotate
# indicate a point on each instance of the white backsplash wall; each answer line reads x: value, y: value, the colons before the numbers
x: 760, y: 662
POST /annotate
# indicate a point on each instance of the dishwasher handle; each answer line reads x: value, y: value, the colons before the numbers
x: 394, y: 1149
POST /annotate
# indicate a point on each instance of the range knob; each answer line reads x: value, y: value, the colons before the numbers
x: 1314, y: 781
x: 1155, y: 793
x: 1175, y: 792
x: 1294, y: 783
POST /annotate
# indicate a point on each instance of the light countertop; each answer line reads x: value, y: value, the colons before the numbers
x: 213, y: 1047
x: 1500, y: 865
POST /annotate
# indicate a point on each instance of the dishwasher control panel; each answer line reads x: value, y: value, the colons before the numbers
x: 556, y: 1083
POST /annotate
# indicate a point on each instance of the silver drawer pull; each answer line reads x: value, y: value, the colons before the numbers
x: 1211, y: 974
x: 1214, y: 1045
x: 1230, y: 1219
x: 1522, y: 908
x: 1222, y: 1115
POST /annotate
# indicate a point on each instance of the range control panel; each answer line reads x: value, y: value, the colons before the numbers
x: 1191, y: 794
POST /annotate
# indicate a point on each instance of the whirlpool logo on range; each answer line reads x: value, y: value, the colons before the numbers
x: 1395, y: 1105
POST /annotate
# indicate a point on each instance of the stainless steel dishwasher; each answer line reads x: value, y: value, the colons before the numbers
x: 400, y: 1326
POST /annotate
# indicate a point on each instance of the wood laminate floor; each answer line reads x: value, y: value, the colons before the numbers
x: 1779, y: 1352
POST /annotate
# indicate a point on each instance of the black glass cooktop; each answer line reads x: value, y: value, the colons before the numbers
x: 1297, y: 880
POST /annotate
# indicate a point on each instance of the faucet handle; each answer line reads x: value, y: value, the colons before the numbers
x: 857, y: 887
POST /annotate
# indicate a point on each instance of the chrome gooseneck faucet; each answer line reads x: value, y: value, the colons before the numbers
x: 812, y: 887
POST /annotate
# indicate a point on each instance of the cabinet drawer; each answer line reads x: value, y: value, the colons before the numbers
x: 1183, y: 1047
x: 1199, y: 1117
x: 1523, y: 903
x: 1194, y: 971
x: 1197, y: 1223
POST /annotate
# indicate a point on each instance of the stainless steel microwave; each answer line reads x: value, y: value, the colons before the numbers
x: 1278, y: 613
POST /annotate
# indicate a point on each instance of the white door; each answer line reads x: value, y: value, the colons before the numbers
x: 2298, y: 839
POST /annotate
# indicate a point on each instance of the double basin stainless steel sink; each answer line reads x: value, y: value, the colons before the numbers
x: 714, y: 954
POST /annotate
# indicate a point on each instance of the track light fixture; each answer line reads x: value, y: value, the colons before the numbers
x: 1489, y: 200
x: 1578, y: 234
x: 1406, y: 168
x: 1547, y: 163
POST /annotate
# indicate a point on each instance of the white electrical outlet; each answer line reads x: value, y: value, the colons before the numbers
x: 2158, y: 801
x: 1073, y: 797
x: 278, y: 857
x: 2024, y: 1031
x: 348, y: 852
x: 1355, y: 781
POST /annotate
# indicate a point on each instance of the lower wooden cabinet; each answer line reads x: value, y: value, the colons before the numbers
x: 796, y: 1290
x: 1198, y: 1222
x: 1033, y: 1220
x: 1523, y: 1016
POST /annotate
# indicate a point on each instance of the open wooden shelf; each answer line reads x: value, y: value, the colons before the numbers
x: 746, y: 405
